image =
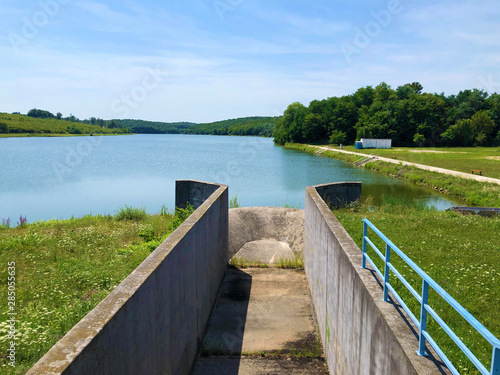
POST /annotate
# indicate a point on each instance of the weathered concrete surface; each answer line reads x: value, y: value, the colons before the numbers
x: 266, y: 223
x: 261, y: 310
x: 265, y: 251
x: 260, y: 366
x: 338, y: 194
x: 154, y: 320
x: 360, y: 333
x: 192, y: 192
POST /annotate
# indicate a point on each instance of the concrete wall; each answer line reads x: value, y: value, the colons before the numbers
x: 340, y: 193
x: 360, y: 333
x: 192, y: 192
x: 248, y: 224
x: 154, y: 320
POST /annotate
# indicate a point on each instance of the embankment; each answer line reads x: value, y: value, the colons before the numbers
x: 472, y: 192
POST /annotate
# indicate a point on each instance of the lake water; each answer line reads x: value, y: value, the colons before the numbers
x: 46, y: 178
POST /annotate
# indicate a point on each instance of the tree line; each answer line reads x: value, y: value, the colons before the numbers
x: 247, y: 126
x: 406, y: 115
x: 251, y: 126
x: 43, y: 114
x: 22, y: 124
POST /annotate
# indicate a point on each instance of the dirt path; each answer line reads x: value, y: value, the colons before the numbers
x: 420, y: 166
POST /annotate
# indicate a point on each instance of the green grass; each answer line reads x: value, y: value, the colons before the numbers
x: 291, y: 205
x: 234, y: 202
x: 22, y: 126
x: 65, y: 268
x: 245, y: 263
x: 296, y: 263
x: 131, y: 213
x: 313, y: 352
x: 471, y: 192
x: 461, y: 159
x: 461, y: 253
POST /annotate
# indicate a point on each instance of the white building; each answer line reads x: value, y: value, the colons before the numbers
x: 375, y: 143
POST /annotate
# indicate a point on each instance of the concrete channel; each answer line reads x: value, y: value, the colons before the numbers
x: 263, y: 321
x: 185, y: 311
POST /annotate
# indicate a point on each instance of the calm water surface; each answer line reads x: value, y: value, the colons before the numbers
x: 46, y: 178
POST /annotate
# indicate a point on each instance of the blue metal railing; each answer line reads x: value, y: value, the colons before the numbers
x: 425, y: 308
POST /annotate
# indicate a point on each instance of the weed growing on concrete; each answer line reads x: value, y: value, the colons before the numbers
x: 244, y: 263
x: 234, y: 203
x: 296, y: 263
x: 291, y: 205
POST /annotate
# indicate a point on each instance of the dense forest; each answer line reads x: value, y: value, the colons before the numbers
x: 152, y: 127
x: 258, y: 126
x: 405, y: 115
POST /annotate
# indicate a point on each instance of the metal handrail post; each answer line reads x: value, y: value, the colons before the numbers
x: 495, y: 361
x: 386, y: 271
x: 423, y: 318
x: 365, y: 233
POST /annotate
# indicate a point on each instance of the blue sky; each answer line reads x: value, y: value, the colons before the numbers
x: 208, y: 60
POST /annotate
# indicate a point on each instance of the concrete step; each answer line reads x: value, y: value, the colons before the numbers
x: 262, y: 323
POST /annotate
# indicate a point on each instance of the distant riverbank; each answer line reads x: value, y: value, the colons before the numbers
x: 472, y: 192
x: 39, y: 135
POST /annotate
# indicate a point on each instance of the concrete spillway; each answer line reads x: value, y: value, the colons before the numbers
x: 263, y: 320
x: 182, y: 310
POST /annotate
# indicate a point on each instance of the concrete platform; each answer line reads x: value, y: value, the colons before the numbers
x: 262, y: 311
x: 260, y: 366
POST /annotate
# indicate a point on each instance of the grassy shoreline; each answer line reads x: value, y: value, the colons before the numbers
x: 64, y: 268
x: 460, y: 159
x: 56, y: 135
x: 472, y: 192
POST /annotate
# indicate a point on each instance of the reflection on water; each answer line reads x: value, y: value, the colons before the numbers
x: 45, y: 178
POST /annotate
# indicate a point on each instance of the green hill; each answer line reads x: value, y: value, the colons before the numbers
x: 257, y: 126
x: 44, y: 123
x: 21, y: 124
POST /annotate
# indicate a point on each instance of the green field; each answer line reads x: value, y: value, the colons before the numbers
x: 461, y: 253
x: 461, y: 159
x: 21, y: 125
x: 63, y: 269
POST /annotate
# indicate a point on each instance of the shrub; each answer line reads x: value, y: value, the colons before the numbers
x: 131, y: 213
